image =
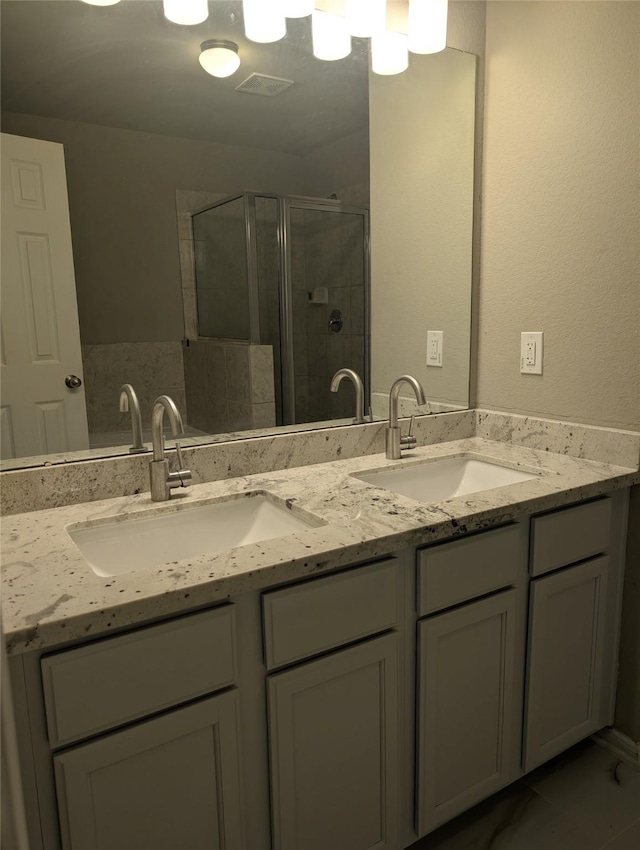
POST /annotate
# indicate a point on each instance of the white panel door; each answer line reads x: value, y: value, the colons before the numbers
x: 40, y: 334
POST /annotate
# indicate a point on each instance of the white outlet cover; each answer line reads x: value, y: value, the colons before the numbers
x: 531, y: 352
x: 435, y: 344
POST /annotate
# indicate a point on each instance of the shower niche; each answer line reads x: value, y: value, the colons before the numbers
x: 271, y: 275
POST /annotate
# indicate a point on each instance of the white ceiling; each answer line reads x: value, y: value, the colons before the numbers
x: 127, y: 66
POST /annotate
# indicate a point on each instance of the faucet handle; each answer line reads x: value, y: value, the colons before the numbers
x: 409, y: 442
x: 179, y: 453
x: 182, y: 476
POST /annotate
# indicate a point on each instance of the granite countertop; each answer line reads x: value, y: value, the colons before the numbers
x: 51, y: 595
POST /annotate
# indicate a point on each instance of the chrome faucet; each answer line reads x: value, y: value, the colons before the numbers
x: 162, y: 481
x: 357, y: 383
x: 394, y: 441
x: 129, y: 402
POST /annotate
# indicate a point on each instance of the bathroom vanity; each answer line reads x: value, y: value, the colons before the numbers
x: 353, y: 684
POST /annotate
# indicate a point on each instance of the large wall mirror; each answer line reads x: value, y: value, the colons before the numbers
x: 229, y: 242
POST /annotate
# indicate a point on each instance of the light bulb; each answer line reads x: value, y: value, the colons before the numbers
x: 427, y: 26
x: 366, y: 17
x: 298, y: 8
x: 101, y: 2
x: 389, y: 53
x: 219, y: 58
x: 187, y: 12
x: 264, y: 22
x: 330, y: 36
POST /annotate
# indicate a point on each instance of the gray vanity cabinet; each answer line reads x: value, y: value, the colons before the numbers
x: 567, y: 630
x: 170, y: 782
x: 333, y: 735
x: 466, y: 706
x: 470, y: 669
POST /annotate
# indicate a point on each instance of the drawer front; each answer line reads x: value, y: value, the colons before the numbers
x: 570, y: 535
x: 455, y: 572
x: 319, y: 615
x: 120, y: 679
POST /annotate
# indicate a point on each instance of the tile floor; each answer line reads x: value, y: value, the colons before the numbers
x: 584, y: 799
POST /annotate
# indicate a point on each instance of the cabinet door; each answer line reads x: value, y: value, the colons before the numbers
x: 333, y: 742
x: 171, y: 782
x: 467, y: 706
x: 564, y: 678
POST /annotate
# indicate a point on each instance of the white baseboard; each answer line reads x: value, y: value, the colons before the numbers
x: 619, y: 745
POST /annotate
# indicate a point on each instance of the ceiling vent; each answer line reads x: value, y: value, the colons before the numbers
x: 264, y: 85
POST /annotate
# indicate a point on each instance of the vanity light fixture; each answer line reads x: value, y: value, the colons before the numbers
x: 264, y: 21
x: 186, y: 12
x: 219, y: 58
x: 389, y: 53
x: 298, y: 8
x: 330, y: 36
x: 427, y: 25
x: 101, y: 2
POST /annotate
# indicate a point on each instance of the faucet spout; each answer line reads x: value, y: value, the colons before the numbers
x: 129, y: 402
x: 162, y: 481
x: 164, y: 404
x: 357, y: 383
x: 394, y: 440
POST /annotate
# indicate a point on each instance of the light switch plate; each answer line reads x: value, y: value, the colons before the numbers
x: 435, y: 342
x: 531, y: 352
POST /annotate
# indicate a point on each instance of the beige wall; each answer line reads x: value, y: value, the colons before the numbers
x: 123, y: 216
x: 561, y: 210
x: 560, y: 246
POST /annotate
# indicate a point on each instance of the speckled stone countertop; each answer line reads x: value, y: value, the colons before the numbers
x: 51, y: 595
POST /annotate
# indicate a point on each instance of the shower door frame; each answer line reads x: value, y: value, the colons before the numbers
x: 286, y: 203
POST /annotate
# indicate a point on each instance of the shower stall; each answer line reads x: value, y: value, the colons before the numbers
x: 282, y: 288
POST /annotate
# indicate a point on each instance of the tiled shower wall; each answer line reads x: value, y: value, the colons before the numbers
x: 153, y: 368
x: 327, y: 252
x: 229, y: 385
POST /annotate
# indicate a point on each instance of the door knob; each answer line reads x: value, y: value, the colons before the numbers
x: 73, y: 382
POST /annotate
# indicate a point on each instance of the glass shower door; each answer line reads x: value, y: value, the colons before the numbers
x: 327, y: 305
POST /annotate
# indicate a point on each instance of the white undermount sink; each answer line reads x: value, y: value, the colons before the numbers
x: 439, y: 480
x: 116, y: 546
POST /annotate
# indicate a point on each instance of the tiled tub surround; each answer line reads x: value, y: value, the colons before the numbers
x: 51, y: 595
x: 229, y: 385
x: 153, y: 368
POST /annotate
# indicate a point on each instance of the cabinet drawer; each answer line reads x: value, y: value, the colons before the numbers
x: 325, y: 613
x: 120, y: 679
x: 450, y: 573
x: 569, y: 535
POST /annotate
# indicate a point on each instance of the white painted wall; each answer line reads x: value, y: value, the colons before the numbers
x: 560, y: 233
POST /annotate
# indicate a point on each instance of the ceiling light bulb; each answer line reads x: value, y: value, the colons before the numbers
x: 219, y: 58
x: 298, y: 8
x: 389, y: 53
x: 427, y: 26
x: 330, y: 35
x: 264, y: 22
x: 102, y: 2
x: 366, y: 17
x: 186, y: 12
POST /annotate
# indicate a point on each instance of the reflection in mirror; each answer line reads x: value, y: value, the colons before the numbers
x: 216, y: 245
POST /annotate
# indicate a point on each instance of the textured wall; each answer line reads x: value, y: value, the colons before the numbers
x: 561, y: 210
x: 560, y: 246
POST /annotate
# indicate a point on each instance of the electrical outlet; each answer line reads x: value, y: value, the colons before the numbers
x: 435, y: 342
x: 531, y: 351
